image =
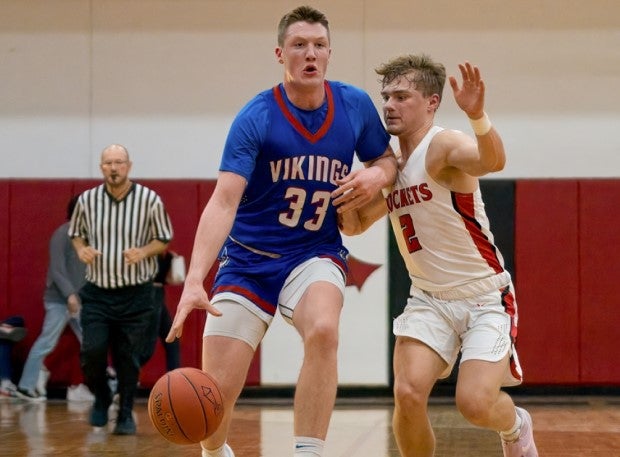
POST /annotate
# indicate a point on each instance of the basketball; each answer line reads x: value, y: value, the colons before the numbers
x: 185, y: 406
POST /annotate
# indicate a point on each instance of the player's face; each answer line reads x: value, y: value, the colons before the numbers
x: 115, y: 166
x: 405, y: 109
x: 305, y: 54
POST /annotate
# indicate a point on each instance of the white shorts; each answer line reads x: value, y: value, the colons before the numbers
x: 242, y: 320
x: 479, y: 327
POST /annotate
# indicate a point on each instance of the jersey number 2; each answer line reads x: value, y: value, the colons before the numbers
x: 406, y: 224
x: 297, y: 199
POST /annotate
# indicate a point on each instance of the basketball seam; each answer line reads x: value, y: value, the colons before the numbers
x: 176, y: 419
x: 202, y: 407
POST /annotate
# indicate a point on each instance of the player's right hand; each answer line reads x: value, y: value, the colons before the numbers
x: 193, y: 297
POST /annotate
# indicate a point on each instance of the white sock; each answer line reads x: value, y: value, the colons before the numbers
x: 223, y: 451
x: 306, y: 446
x: 513, y: 433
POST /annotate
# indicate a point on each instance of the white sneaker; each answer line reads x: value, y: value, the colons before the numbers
x: 29, y: 395
x: 524, y: 445
x: 224, y: 451
x: 41, y: 387
x: 7, y: 388
x: 79, y: 393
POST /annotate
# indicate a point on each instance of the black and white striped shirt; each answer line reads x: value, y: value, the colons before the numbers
x: 112, y: 226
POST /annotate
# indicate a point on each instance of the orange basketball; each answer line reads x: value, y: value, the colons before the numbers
x: 185, y: 405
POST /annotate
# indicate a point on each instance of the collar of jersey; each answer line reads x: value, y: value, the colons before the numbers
x: 320, y: 133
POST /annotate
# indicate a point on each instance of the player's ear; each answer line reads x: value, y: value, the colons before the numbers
x: 278, y: 52
x: 433, y: 102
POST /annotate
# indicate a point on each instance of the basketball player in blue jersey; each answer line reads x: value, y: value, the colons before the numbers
x: 272, y: 221
x: 462, y: 298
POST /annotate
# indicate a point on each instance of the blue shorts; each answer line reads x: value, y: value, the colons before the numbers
x: 258, y: 278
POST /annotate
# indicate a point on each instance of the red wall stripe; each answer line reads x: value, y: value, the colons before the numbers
x: 547, y: 280
x: 599, y: 262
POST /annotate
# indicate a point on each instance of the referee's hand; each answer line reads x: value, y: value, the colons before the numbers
x: 88, y: 254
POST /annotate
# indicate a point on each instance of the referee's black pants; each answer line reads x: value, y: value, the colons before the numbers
x: 115, y: 322
x: 159, y: 330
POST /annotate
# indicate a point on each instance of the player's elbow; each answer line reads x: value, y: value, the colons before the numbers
x: 500, y: 163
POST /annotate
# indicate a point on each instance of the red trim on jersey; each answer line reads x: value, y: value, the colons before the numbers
x: 338, y: 261
x: 513, y: 369
x: 464, y: 205
x: 320, y: 133
x: 262, y: 304
x: 510, y: 306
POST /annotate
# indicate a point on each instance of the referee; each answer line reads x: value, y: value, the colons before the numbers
x: 117, y: 229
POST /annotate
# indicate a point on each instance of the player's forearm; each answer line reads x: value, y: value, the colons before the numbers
x: 388, y: 166
x: 492, y: 153
x: 355, y: 222
x: 492, y: 156
x: 349, y: 223
x: 213, y: 229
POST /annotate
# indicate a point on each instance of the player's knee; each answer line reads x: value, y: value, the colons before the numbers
x: 322, y: 335
x: 475, y: 406
x: 408, y: 396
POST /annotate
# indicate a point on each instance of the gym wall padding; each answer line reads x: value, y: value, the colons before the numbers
x: 568, y: 265
x: 4, y: 245
x: 547, y: 285
x: 564, y: 242
x: 599, y: 261
x: 30, y: 210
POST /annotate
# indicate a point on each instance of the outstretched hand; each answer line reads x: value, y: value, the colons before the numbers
x: 193, y: 297
x: 470, y: 96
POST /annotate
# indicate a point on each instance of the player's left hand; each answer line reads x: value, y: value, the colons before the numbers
x: 469, y: 96
x: 357, y: 188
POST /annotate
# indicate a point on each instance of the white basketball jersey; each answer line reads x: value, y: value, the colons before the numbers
x: 443, y: 236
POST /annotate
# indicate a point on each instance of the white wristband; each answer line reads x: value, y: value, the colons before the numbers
x: 481, y: 126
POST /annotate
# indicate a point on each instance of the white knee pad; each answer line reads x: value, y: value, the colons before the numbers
x: 237, y: 322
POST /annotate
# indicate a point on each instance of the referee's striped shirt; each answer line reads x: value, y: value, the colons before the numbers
x: 112, y: 226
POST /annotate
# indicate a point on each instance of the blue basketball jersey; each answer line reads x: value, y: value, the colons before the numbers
x: 291, y: 159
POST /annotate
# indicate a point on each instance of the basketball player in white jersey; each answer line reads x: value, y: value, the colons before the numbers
x: 462, y: 298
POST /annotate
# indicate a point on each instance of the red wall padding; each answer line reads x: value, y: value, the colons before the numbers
x: 547, y: 280
x: 567, y: 265
x: 36, y: 208
x: 30, y: 210
x: 567, y: 269
x: 547, y: 287
x: 4, y: 248
x: 599, y: 260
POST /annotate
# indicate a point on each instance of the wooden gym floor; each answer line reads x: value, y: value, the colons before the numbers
x: 579, y: 426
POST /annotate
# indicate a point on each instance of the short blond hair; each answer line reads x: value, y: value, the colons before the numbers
x: 428, y: 76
